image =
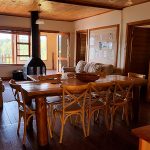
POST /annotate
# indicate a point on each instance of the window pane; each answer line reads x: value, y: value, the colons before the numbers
x: 23, y: 38
x: 5, y: 48
x: 22, y: 59
x: 43, y: 42
x: 22, y: 49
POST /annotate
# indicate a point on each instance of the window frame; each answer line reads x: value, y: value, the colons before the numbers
x: 46, y: 47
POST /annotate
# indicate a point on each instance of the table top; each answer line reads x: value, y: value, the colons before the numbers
x: 142, y: 132
x: 38, y: 88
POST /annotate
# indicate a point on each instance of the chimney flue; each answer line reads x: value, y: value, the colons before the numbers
x: 35, y: 34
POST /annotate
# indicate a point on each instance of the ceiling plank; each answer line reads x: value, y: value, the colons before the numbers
x: 89, y: 4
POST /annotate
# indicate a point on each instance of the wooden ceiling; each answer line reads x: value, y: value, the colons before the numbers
x: 67, y: 10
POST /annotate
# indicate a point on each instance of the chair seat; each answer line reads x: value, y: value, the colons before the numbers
x: 98, y: 103
x: 53, y: 99
x: 72, y: 108
x: 29, y: 108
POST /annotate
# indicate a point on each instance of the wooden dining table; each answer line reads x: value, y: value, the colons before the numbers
x: 41, y: 89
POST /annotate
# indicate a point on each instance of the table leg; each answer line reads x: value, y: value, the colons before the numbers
x: 136, y: 104
x: 41, y: 121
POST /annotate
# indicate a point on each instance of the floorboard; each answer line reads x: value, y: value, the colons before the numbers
x: 120, y: 138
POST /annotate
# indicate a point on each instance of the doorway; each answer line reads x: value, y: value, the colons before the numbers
x: 138, y: 48
x: 55, y: 50
x: 81, y: 45
x: 63, y: 51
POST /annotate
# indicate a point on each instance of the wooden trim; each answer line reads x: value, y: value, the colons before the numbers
x: 50, y: 31
x: 117, y: 36
x: 89, y: 4
x: 78, y: 32
x: 129, y: 28
x: 136, y: 4
x: 93, y: 15
x: 141, y: 22
x: 104, y: 27
x: 15, y: 29
x: 10, y: 65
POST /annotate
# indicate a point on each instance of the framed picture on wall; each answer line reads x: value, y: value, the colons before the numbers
x: 103, y: 46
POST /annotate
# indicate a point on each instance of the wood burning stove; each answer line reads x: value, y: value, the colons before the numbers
x: 34, y: 65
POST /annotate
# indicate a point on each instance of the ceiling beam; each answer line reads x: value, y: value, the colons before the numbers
x: 89, y: 4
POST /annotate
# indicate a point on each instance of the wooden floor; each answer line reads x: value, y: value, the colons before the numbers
x: 100, y: 139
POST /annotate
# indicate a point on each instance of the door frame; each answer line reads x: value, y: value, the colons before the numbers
x: 68, y: 50
x: 77, y: 47
x: 129, y: 32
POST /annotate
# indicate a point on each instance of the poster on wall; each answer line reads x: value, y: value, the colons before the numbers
x: 103, y: 45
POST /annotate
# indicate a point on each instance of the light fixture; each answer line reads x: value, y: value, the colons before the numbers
x: 39, y: 21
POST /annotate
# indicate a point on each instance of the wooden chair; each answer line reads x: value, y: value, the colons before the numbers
x: 120, y: 99
x: 25, y: 111
x: 73, y: 104
x: 1, y: 93
x: 99, y: 97
x: 51, y: 100
x: 53, y: 78
x: 136, y: 75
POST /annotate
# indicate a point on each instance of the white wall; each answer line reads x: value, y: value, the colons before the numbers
x: 11, y: 21
x: 6, y: 70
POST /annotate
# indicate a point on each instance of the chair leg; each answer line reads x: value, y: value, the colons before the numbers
x: 126, y: 114
x: 19, y: 123
x: 24, y: 132
x: 49, y: 127
x: 62, y: 130
x: 83, y: 124
x: 89, y: 123
x: 106, y: 118
x: 123, y: 113
x: 112, y: 118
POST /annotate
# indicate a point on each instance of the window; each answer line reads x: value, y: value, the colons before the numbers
x: 6, y: 53
x: 14, y: 47
x: 43, y: 43
x: 22, y: 47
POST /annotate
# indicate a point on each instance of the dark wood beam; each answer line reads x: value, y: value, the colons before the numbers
x: 89, y: 4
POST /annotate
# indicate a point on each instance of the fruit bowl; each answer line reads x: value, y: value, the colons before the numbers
x: 87, y: 77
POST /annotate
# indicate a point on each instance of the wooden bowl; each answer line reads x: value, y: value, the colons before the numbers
x: 87, y: 77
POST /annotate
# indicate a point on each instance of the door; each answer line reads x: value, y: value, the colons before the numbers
x: 138, y: 56
x: 63, y: 51
x: 81, y: 45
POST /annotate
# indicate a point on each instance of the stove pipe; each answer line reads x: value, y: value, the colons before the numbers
x: 34, y: 66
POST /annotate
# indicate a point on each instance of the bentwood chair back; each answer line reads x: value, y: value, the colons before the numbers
x: 74, y: 98
x: 25, y: 111
x: 100, y: 93
x: 53, y: 78
x: 121, y: 97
